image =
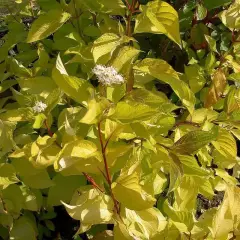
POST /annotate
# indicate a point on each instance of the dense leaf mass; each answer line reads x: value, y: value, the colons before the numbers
x: 119, y: 119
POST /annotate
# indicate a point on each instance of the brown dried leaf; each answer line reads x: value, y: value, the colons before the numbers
x: 217, y: 88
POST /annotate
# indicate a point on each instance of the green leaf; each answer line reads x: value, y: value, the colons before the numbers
x: 105, y: 44
x: 39, y: 121
x: 90, y: 207
x: 50, y: 225
x: 191, y: 167
x: 79, y: 156
x: 201, y: 12
x: 7, y: 175
x: 226, y: 177
x: 211, y: 4
x: 210, y: 62
x: 175, y: 169
x: 39, y: 180
x: 37, y: 85
x: 233, y: 197
x: 226, y: 144
x: 13, y: 200
x: 18, y: 115
x: 212, y: 43
x: 158, y: 17
x: 41, y: 153
x: 194, y: 140
x: 64, y: 188
x: 32, y: 199
x: 230, y: 17
x: 24, y: 167
x: 198, y: 32
x: 23, y: 228
x: 6, y: 135
x: 143, y: 224
x: 222, y: 223
x: 96, y: 109
x: 126, y: 188
x: 104, y: 6
x: 154, y: 183
x: 183, y: 220
x: 77, y: 89
x: 47, y: 24
x: 127, y: 112
x: 152, y: 98
x: 164, y: 72
x: 15, y: 35
x: 186, y: 194
x: 120, y: 232
x: 195, y: 76
x: 125, y: 56
x: 5, y: 85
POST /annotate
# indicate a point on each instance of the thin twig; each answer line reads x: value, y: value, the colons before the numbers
x: 107, y: 142
x: 94, y: 17
x: 91, y: 180
x: 128, y: 4
x: 78, y: 26
x: 104, y: 155
x: 50, y: 133
x: 104, y: 175
x: 106, y: 167
x: 129, y: 18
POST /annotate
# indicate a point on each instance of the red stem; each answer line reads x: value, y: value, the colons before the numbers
x: 129, y: 18
x: 104, y: 155
x: 91, y: 180
x: 233, y: 36
x: 128, y: 4
x: 103, y: 148
x: 50, y: 133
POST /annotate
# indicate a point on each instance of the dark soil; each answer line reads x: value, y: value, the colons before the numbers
x: 203, y: 203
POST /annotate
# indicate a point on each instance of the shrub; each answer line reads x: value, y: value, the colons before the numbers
x: 124, y: 114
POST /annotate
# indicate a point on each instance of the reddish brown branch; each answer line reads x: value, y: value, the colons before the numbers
x: 128, y: 4
x: 132, y: 10
x: 108, y: 177
x: 50, y: 133
x: 91, y: 180
x: 104, y: 155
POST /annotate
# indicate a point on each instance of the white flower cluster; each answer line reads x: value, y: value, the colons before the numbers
x: 108, y: 76
x: 39, y: 107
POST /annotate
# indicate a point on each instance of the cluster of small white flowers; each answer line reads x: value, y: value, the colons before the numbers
x: 108, y: 76
x: 39, y: 107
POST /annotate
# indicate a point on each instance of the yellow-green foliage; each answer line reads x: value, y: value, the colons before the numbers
x: 124, y: 113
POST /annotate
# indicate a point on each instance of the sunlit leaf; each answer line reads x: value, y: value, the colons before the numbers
x: 159, y: 17
x: 126, y: 188
x: 164, y: 72
x: 7, y: 175
x: 91, y: 207
x: 194, y: 140
x: 230, y: 16
x: 47, y: 24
